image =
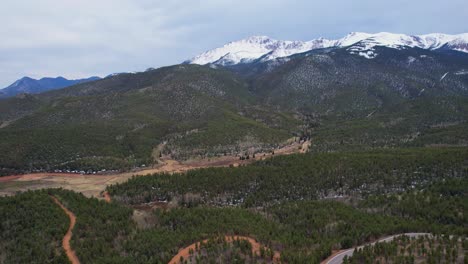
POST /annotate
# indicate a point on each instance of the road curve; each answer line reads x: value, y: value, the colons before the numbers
x: 185, y: 252
x: 338, y: 257
x: 66, y: 239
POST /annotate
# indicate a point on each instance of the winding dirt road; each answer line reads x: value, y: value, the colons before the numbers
x: 338, y: 257
x: 185, y: 252
x: 66, y: 239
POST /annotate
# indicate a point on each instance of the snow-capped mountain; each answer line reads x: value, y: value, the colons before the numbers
x: 252, y: 48
x: 249, y: 49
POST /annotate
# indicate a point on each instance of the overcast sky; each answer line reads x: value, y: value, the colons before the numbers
x: 80, y: 38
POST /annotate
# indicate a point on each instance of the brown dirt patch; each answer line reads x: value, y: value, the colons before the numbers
x: 9, y: 178
x: 107, y: 196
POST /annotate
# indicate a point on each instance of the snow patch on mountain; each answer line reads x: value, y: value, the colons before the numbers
x: 443, y: 76
x: 411, y: 59
x: 461, y: 72
x: 288, y: 48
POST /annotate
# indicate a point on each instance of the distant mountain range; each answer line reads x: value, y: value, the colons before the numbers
x: 33, y: 86
x: 263, y: 49
x: 358, y: 43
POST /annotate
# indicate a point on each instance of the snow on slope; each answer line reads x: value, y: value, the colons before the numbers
x: 365, y: 46
x: 460, y: 43
x: 436, y: 40
x: 288, y: 48
x: 364, y: 43
x: 360, y: 43
x: 249, y: 48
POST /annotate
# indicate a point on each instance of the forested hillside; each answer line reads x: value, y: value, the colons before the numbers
x: 428, y: 249
x: 349, y: 102
x: 444, y: 202
x: 117, y: 122
x: 31, y: 229
x: 402, y: 98
x: 301, y: 231
x: 298, y: 177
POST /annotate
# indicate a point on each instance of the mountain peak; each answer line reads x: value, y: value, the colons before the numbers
x: 26, y: 78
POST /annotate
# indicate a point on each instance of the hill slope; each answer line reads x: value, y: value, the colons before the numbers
x: 407, y: 97
x: 402, y: 97
x: 117, y: 122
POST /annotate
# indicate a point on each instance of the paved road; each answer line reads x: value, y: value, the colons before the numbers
x: 338, y: 258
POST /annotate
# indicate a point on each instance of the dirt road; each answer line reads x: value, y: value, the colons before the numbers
x: 66, y: 239
x: 185, y: 252
x: 94, y: 185
x: 338, y: 257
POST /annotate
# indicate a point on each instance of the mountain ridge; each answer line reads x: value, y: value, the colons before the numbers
x: 254, y: 47
x: 34, y: 86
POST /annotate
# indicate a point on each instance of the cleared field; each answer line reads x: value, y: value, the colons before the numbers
x: 94, y: 185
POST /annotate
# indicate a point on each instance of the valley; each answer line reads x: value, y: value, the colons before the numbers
x: 260, y: 151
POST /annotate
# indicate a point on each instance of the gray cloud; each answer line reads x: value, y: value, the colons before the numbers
x: 82, y: 38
